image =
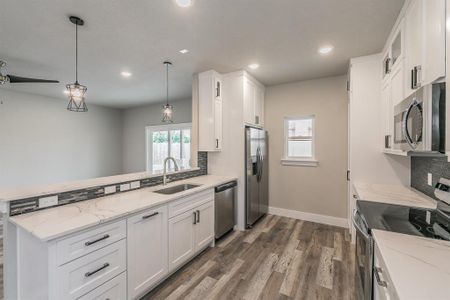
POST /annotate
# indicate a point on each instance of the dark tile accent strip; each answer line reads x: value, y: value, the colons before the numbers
x: 28, y: 205
x: 421, y: 166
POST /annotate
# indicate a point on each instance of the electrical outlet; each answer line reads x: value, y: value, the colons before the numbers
x: 135, y: 184
x: 110, y: 189
x: 48, y: 201
x: 124, y: 187
x: 430, y: 179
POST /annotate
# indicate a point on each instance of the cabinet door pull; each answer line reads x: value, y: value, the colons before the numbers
x: 198, y: 216
x: 88, y: 243
x: 217, y: 143
x: 380, y: 282
x: 150, y: 215
x: 195, y: 217
x: 88, y: 274
x: 412, y: 79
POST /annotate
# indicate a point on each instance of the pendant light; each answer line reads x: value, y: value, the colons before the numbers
x: 167, y: 109
x: 75, y: 90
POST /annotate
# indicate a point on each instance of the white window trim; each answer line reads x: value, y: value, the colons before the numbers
x: 299, y: 160
x: 153, y: 128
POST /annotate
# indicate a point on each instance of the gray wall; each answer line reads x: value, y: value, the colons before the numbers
x: 322, y: 189
x: 421, y: 166
x: 41, y: 142
x: 134, y: 122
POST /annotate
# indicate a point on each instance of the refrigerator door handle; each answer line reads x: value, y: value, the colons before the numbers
x: 258, y: 164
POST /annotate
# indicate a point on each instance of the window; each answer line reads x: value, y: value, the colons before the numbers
x: 168, y: 140
x: 299, y: 141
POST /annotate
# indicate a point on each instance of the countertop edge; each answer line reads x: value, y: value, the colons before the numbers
x: 175, y: 197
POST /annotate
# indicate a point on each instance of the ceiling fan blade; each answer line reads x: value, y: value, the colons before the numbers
x: 17, y: 79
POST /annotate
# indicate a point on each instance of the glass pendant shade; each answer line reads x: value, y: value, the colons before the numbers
x: 167, y: 113
x: 76, y: 97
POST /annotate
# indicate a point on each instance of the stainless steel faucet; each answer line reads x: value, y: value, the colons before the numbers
x: 165, y: 180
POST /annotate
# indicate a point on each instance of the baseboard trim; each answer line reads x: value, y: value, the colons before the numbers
x: 295, y: 214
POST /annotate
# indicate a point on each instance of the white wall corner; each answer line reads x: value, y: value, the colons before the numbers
x: 305, y: 216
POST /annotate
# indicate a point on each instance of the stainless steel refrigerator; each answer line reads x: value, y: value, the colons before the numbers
x: 256, y: 170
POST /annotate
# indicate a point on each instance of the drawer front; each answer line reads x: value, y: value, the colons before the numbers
x: 89, y: 241
x: 115, y: 289
x: 380, y: 291
x: 187, y: 203
x: 82, y: 275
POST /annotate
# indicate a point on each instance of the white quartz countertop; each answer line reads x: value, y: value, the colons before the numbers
x: 419, y: 267
x: 393, y: 194
x: 59, y: 221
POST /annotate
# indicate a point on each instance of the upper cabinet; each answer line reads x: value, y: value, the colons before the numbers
x: 424, y: 43
x: 414, y: 56
x: 210, y: 100
x: 253, y: 102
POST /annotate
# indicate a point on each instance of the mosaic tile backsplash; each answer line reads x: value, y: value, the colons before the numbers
x: 421, y: 166
x: 27, y: 205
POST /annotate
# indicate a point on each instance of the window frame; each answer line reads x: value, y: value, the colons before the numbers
x: 299, y: 160
x: 167, y: 127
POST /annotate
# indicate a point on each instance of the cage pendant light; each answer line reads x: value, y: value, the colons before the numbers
x: 76, y: 91
x: 167, y: 109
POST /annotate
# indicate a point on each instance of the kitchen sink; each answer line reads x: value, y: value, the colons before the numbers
x: 176, y: 189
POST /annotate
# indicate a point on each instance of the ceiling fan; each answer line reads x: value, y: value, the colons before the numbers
x: 4, y: 78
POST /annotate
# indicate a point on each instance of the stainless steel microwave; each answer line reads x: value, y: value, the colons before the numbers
x: 419, y: 121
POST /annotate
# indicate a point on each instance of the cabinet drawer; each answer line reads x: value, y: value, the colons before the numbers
x: 115, y: 289
x: 82, y: 275
x: 187, y: 203
x: 380, y: 291
x: 89, y: 241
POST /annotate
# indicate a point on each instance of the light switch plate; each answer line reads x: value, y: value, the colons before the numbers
x: 124, y: 187
x: 48, y: 201
x: 110, y: 189
x: 430, y: 179
x: 135, y: 184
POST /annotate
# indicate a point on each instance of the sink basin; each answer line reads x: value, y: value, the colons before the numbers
x: 176, y: 189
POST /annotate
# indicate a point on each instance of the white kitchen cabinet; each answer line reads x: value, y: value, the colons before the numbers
x: 189, y: 233
x: 383, y: 288
x: 181, y: 239
x: 253, y: 102
x: 385, y: 115
x: 115, y: 289
x: 424, y: 43
x: 147, y: 250
x: 210, y: 111
x: 414, y: 46
x: 204, y: 227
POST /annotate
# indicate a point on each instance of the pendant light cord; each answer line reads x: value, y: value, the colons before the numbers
x: 167, y: 83
x: 76, y: 53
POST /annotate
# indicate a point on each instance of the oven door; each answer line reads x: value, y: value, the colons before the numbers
x: 363, y: 258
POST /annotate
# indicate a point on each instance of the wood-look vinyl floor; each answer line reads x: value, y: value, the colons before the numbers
x: 280, y: 258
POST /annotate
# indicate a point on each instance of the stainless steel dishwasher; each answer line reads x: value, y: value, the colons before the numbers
x: 224, y: 208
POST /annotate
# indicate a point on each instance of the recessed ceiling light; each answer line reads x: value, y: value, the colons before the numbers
x: 253, y: 66
x: 325, y: 50
x: 184, y: 51
x: 125, y: 74
x: 184, y: 3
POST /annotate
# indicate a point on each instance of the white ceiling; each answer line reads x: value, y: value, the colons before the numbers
x: 36, y: 39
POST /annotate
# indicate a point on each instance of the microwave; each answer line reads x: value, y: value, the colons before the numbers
x: 419, y: 121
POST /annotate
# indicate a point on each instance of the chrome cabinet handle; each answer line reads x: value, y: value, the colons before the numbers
x: 150, y: 215
x: 88, y: 243
x: 217, y: 143
x: 198, y: 216
x: 98, y: 270
x: 195, y: 217
x: 380, y: 282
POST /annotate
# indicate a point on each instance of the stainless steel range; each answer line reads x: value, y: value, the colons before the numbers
x: 434, y: 224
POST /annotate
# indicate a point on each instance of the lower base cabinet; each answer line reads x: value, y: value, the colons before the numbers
x: 189, y: 233
x: 146, y: 250
x: 115, y: 289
